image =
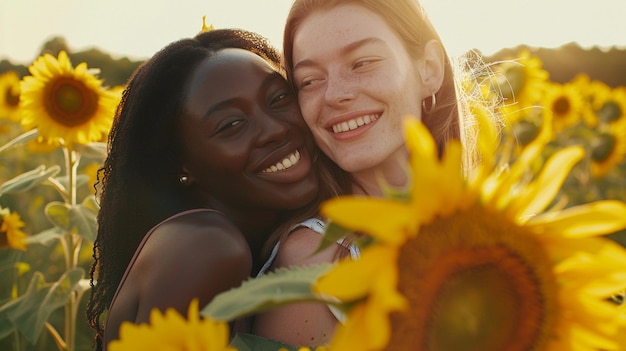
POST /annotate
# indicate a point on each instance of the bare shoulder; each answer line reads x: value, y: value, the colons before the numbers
x: 300, y: 248
x: 197, y: 255
x: 199, y: 238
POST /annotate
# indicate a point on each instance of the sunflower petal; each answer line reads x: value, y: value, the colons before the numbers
x: 387, y: 220
x: 418, y: 138
x: 593, y: 219
x: 521, y: 165
x: 425, y: 170
x: 351, y: 280
x: 450, y: 175
x: 539, y: 194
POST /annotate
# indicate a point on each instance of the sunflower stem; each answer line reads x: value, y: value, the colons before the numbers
x: 60, y: 188
x: 72, y: 244
x: 55, y: 335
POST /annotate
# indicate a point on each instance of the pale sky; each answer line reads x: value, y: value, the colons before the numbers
x: 139, y: 28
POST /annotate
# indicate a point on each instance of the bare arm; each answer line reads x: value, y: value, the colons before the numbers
x: 301, y: 324
x: 194, y: 256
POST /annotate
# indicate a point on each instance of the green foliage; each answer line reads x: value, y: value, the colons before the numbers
x: 29, y: 312
x: 249, y: 342
x: 28, y: 136
x: 332, y: 234
x: 113, y: 71
x: 271, y: 290
x: 78, y: 219
x: 28, y: 180
x: 53, y: 265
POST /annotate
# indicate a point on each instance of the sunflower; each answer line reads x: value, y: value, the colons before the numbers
x: 11, y: 234
x: 520, y: 80
x: 610, y: 107
x: 592, y: 91
x: 565, y: 102
x: 480, y: 262
x: 9, y: 95
x: 608, y: 149
x: 170, y: 331
x: 66, y: 105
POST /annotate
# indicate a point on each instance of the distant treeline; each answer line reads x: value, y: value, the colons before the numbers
x: 113, y: 71
x: 563, y: 64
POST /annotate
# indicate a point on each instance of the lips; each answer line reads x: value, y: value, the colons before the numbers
x: 354, y: 123
x: 289, y: 161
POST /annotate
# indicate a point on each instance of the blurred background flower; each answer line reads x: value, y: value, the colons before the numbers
x: 582, y: 112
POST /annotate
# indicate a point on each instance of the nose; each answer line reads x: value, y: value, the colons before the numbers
x: 340, y: 89
x: 271, y: 129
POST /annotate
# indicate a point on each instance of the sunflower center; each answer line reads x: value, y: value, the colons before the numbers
x: 12, y: 96
x: 475, y: 282
x: 602, y: 146
x: 609, y: 112
x: 561, y: 106
x: 70, y: 102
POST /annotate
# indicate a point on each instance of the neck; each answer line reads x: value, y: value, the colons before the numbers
x: 394, y: 171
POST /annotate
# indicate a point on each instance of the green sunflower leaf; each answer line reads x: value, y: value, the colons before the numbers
x: 249, y: 342
x: 81, y: 179
x: 20, y: 139
x: 58, y: 214
x: 274, y: 289
x: 91, y: 203
x: 78, y: 219
x: 31, y: 311
x: 83, y: 220
x: 47, y: 237
x: 28, y: 180
x: 332, y: 235
x: 93, y: 150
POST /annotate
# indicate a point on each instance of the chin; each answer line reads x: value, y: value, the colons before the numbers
x: 304, y: 200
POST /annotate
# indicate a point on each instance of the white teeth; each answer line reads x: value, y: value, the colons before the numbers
x: 286, y: 163
x: 354, y: 123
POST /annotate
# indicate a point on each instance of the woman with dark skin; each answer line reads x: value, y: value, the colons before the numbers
x: 207, y: 155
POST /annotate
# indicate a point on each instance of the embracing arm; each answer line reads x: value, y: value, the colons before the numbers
x: 299, y: 324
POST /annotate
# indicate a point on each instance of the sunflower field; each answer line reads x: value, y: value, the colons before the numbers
x: 539, y: 225
x: 55, y: 122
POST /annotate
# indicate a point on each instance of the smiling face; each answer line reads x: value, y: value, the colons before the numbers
x: 245, y: 143
x: 355, y: 82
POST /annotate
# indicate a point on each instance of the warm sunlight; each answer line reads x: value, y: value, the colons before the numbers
x: 138, y: 29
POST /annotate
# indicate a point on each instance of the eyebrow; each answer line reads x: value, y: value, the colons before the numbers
x: 345, y: 50
x: 267, y: 81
